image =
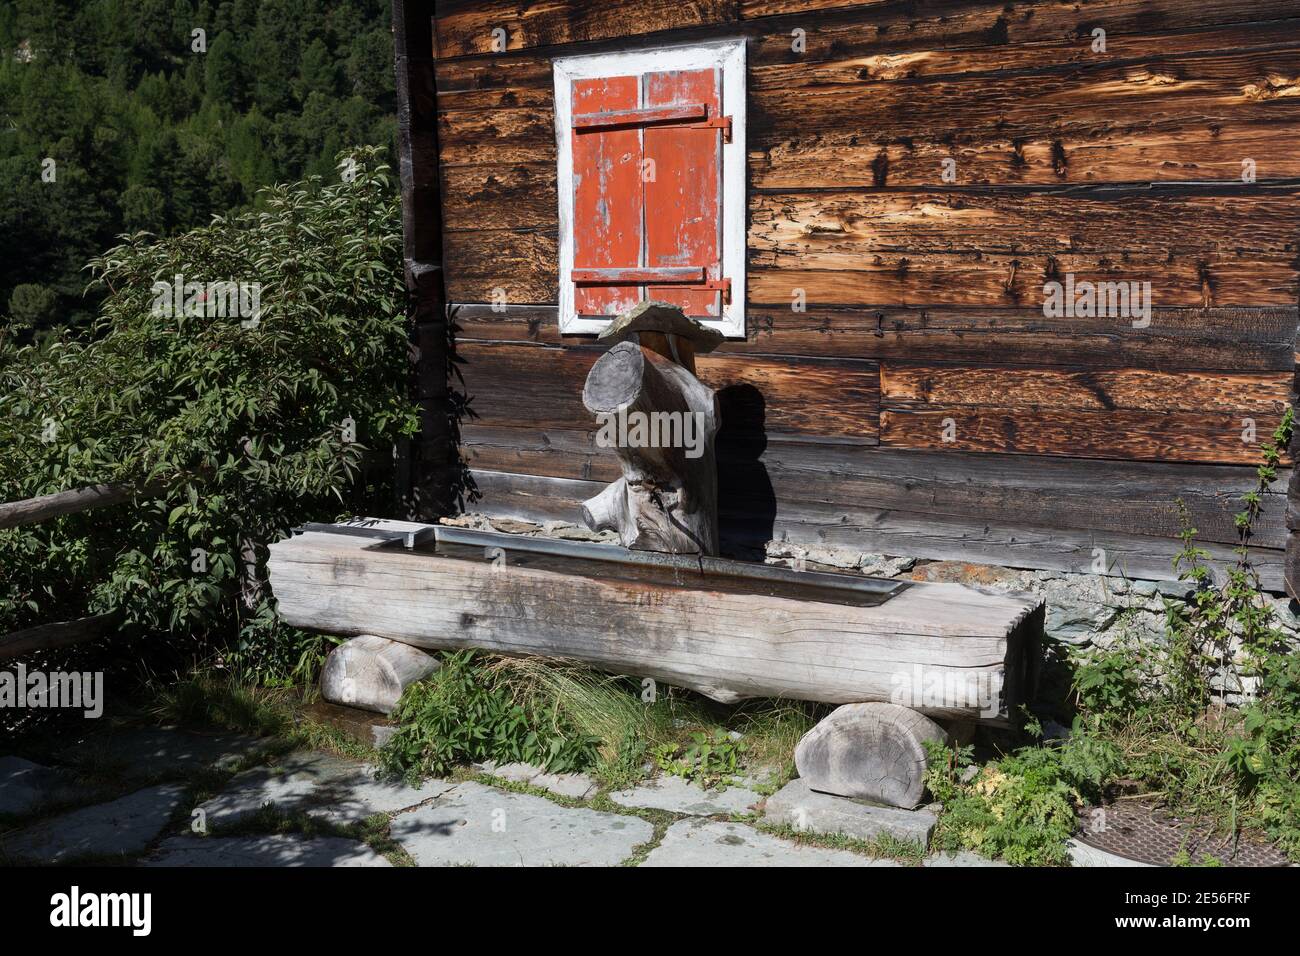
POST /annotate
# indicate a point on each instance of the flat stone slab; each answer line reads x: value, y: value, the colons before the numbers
x: 578, y: 786
x: 715, y: 843
x: 1083, y: 855
x: 122, y: 827
x: 480, y: 826
x: 281, y: 849
x: 962, y: 858
x: 684, y: 796
x: 320, y: 785
x: 799, y: 806
x: 153, y: 751
x: 27, y: 786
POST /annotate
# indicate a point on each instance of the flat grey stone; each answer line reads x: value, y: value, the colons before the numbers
x: 716, y: 843
x: 27, y: 786
x: 153, y: 751
x: 684, y: 796
x: 760, y: 777
x: 281, y: 849
x: 799, y: 806
x: 514, y: 772
x: 321, y: 785
x: 962, y: 858
x: 578, y: 786
x: 1083, y: 855
x: 480, y: 826
x: 123, y: 827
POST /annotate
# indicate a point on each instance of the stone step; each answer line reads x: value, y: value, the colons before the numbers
x: 798, y: 806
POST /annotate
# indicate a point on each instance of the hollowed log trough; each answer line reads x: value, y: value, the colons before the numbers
x: 727, y: 629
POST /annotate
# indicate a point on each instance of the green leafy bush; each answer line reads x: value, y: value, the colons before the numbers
x: 230, y: 429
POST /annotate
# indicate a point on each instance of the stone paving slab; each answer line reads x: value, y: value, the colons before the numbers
x: 322, y: 785
x: 124, y: 826
x: 962, y: 858
x: 1083, y: 855
x: 480, y: 826
x: 799, y: 806
x: 686, y: 797
x: 291, y: 850
x: 145, y: 752
x: 716, y: 843
x: 578, y: 786
x: 26, y: 786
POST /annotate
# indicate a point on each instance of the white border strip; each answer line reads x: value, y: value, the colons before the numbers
x: 730, y: 58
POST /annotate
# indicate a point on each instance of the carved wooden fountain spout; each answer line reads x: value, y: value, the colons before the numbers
x: 661, y: 422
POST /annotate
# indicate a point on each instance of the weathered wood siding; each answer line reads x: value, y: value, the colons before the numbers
x: 923, y: 298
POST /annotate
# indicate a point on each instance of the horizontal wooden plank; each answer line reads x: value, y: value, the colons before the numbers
x: 466, y: 28
x: 1078, y: 494
x: 831, y: 229
x: 1017, y: 21
x: 640, y: 117
x: 1245, y: 339
x: 1118, y: 433
x: 1176, y: 339
x: 838, y: 51
x: 904, y: 533
x: 664, y: 275
x: 987, y: 280
x: 529, y: 386
x: 846, y: 160
x: 1085, y: 388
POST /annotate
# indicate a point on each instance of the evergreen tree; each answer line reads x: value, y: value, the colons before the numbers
x: 147, y: 134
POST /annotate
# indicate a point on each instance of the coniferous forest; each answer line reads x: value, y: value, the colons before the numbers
x: 118, y: 116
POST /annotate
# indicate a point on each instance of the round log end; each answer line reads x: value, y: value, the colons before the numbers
x: 371, y: 672
x: 615, y: 379
x: 869, y: 752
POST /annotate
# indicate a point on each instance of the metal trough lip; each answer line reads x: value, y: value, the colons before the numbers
x: 878, y: 589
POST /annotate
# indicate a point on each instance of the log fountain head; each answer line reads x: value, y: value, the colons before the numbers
x: 661, y: 421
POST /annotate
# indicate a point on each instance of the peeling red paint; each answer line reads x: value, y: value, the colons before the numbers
x: 650, y: 195
x: 607, y: 195
x: 682, y: 210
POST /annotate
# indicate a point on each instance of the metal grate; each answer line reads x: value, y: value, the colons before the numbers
x: 1143, y: 831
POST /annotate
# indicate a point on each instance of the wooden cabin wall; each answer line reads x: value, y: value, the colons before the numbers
x: 923, y: 298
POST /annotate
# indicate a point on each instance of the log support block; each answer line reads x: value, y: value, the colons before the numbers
x: 871, y: 751
x: 371, y: 672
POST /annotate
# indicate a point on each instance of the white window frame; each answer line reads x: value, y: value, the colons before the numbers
x: 727, y: 56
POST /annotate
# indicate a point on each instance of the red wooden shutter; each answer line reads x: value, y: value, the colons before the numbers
x: 651, y: 230
x: 607, y: 195
x: 683, y: 225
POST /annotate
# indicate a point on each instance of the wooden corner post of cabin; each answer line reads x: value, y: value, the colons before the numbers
x: 1291, y: 565
x: 426, y: 465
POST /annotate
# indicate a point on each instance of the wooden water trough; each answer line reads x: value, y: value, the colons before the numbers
x: 727, y: 629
